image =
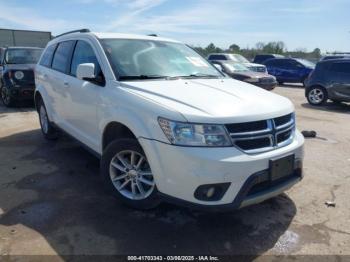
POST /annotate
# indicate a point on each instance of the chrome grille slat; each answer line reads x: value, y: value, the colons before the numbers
x: 280, y: 132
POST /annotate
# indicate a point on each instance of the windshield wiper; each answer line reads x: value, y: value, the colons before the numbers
x: 142, y: 77
x: 198, y: 75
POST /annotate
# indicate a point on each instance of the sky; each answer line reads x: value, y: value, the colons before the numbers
x: 300, y: 24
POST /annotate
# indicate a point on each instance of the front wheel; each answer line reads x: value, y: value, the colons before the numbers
x: 6, y: 97
x: 317, y: 95
x: 127, y: 174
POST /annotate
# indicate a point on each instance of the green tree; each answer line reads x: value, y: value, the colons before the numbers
x: 234, y: 48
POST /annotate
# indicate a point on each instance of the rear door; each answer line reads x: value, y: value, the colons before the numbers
x: 57, y: 79
x: 295, y: 71
x: 84, y: 96
x: 341, y: 78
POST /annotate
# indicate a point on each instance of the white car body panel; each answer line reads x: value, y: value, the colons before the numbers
x: 84, y: 110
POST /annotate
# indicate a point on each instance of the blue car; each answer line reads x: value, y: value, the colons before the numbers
x: 291, y: 70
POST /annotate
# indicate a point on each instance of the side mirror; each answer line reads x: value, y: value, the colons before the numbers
x: 219, y: 67
x: 86, y: 71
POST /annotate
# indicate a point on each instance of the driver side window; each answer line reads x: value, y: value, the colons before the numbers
x: 83, y: 53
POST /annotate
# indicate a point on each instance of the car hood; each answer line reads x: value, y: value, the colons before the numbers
x: 253, y: 64
x: 212, y: 100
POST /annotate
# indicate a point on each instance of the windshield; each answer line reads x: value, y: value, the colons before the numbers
x: 22, y: 56
x: 239, y: 58
x: 306, y: 63
x: 142, y: 59
x: 236, y: 67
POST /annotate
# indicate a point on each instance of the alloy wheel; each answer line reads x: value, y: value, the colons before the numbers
x: 131, y: 175
x: 5, y: 96
x: 316, y: 96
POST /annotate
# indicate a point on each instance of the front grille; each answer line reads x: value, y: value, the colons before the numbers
x: 260, y: 69
x: 261, y: 136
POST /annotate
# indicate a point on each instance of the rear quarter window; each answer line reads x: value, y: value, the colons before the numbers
x: 341, y: 67
x: 46, y: 59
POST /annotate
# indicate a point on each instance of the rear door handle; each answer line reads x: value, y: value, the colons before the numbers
x: 66, y: 84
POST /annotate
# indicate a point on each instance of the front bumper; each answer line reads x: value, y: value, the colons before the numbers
x: 179, y: 171
x: 267, y: 86
x: 22, y: 92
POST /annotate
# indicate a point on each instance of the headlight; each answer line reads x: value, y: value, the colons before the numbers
x: 252, y: 80
x: 187, y: 134
x: 19, y: 75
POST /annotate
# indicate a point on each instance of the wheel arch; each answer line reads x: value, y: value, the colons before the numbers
x: 37, y: 98
x: 114, y: 130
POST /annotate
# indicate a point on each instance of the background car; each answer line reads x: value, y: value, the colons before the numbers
x: 238, y: 59
x: 329, y: 80
x: 2, y: 50
x: 291, y: 70
x: 17, y: 80
x: 259, y: 59
x: 336, y: 56
x: 242, y: 73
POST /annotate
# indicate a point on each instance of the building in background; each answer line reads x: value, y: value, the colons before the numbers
x: 9, y: 37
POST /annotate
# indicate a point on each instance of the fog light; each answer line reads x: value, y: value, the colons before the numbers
x: 210, y: 192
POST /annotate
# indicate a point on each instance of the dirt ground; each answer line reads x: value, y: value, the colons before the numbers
x: 52, y: 201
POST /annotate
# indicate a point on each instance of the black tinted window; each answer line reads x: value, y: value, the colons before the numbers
x: 84, y: 53
x: 61, y: 57
x: 275, y: 62
x: 217, y: 57
x: 341, y: 67
x: 47, y: 56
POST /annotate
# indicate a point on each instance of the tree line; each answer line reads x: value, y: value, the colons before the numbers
x: 277, y: 47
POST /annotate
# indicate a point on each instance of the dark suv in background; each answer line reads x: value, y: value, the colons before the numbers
x: 329, y: 80
x: 17, y: 74
x: 290, y: 70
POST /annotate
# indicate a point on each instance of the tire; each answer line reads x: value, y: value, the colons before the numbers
x: 49, y: 132
x: 6, y: 97
x: 317, y: 95
x: 116, y: 164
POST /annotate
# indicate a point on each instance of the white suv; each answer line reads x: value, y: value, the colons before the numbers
x: 166, y: 124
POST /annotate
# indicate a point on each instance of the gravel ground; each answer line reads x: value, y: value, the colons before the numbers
x: 52, y: 202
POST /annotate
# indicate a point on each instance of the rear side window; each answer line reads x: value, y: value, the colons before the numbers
x: 274, y: 62
x: 47, y: 56
x: 62, y: 56
x: 84, y: 53
x: 217, y: 57
x: 341, y: 67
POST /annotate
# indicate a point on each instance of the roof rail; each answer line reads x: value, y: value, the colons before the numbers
x: 84, y: 30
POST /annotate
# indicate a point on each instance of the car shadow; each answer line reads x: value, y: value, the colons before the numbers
x: 23, y: 106
x: 54, y: 189
x: 292, y: 85
x: 330, y: 107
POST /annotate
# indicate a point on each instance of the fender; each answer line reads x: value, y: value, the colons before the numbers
x: 47, y: 101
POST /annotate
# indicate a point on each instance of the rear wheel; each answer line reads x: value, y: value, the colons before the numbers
x: 127, y: 174
x: 317, y: 95
x: 6, y: 97
x: 47, y: 128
